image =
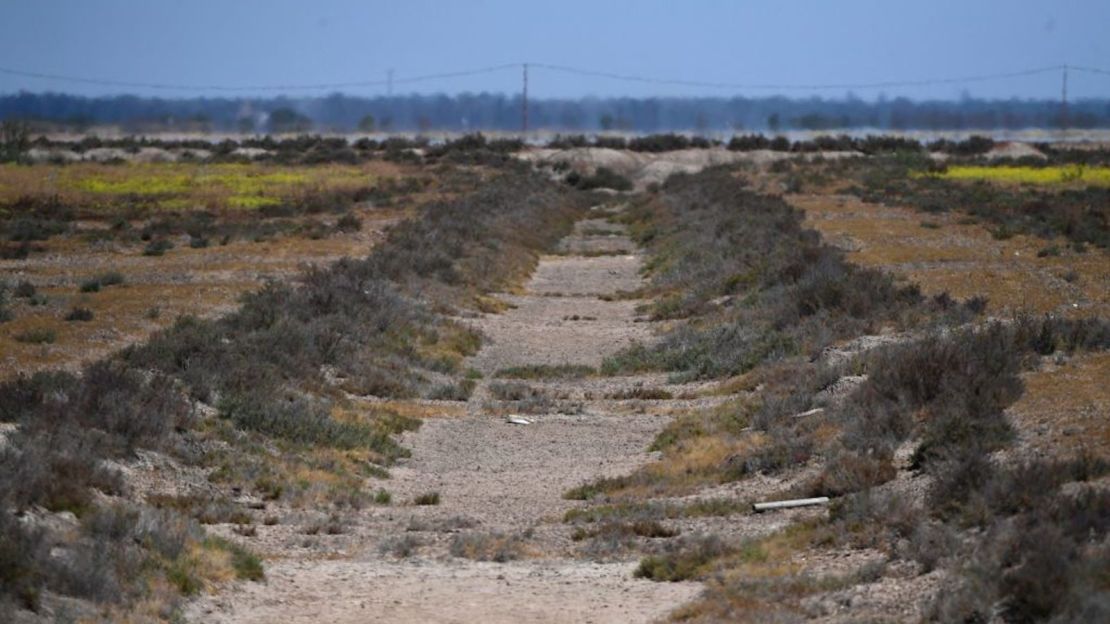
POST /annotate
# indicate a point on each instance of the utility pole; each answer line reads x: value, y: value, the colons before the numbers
x: 524, y: 104
x: 1064, y: 102
x: 389, y: 82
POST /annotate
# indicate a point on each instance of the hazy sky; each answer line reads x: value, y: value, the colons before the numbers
x: 268, y: 42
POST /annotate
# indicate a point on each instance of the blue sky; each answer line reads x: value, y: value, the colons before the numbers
x: 267, y: 42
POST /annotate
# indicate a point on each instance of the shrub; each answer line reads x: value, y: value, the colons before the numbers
x: 497, y: 547
x: 643, y: 394
x: 247, y: 565
x: 514, y: 391
x: 686, y: 560
x: 5, y: 313
x: 849, y: 472
x: 459, y: 391
x: 348, y: 223
x: 24, y: 290
x: 37, y: 336
x: 603, y: 178
x: 28, y: 229
x: 302, y: 421
x: 401, y: 547
x: 157, y: 247
x: 428, y: 498
x: 57, y: 469
x: 546, y: 371
x: 79, y: 314
x: 24, y: 556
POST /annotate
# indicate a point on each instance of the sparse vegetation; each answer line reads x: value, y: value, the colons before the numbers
x: 497, y: 547
x: 79, y: 314
x: 1064, y: 204
x: 787, y: 293
x: 815, y: 377
x: 37, y: 336
x: 544, y: 371
x: 261, y: 368
x: 428, y: 498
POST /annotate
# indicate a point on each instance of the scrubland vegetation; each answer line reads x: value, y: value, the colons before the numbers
x: 255, y: 399
x: 755, y: 299
x: 1042, y: 201
x: 755, y: 284
x: 830, y: 378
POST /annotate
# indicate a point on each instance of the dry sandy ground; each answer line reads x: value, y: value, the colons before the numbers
x: 493, y: 479
x: 1066, y: 399
x: 940, y: 253
x: 204, y: 282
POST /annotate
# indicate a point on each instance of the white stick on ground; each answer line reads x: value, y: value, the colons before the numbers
x: 787, y: 504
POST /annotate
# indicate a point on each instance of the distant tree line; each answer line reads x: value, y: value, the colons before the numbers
x: 486, y: 111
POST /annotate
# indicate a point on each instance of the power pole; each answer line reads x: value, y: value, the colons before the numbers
x: 389, y: 82
x: 1064, y: 102
x: 524, y: 104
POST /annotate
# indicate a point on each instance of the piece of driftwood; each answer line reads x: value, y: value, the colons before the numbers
x: 787, y: 504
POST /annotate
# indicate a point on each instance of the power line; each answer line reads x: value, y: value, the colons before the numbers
x: 284, y: 87
x: 1090, y: 70
x: 391, y: 80
x: 800, y: 87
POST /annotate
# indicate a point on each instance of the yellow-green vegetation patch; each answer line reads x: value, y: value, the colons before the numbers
x: 1067, y: 174
x: 143, y: 183
x: 177, y: 186
x: 251, y: 201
